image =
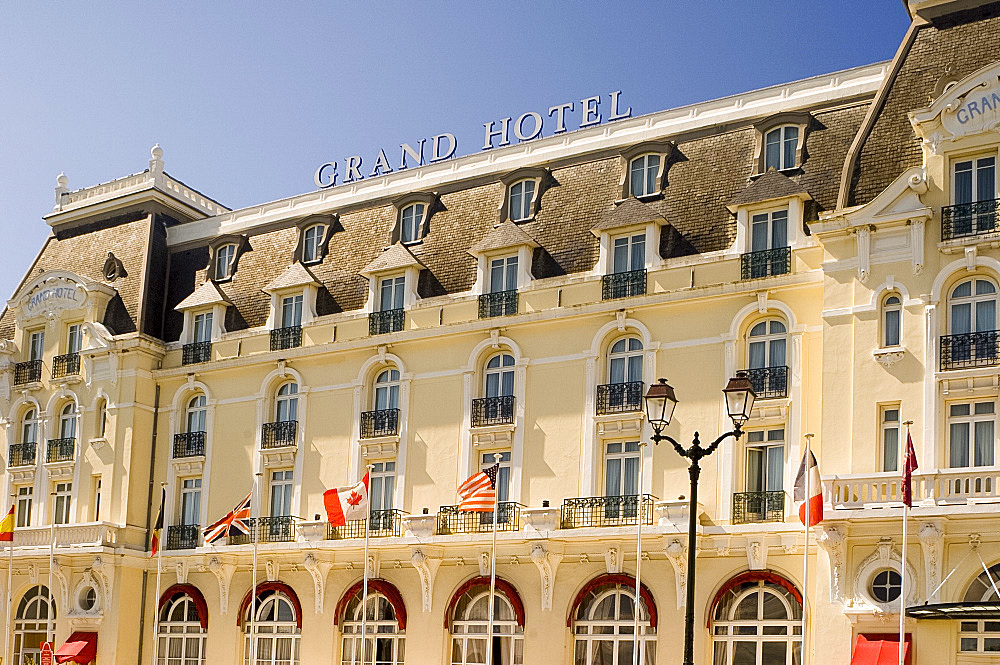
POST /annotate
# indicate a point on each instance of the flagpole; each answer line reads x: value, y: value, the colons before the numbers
x: 10, y: 580
x: 50, y: 630
x: 493, y: 563
x: 805, y: 557
x: 638, y: 561
x: 364, y: 577
x: 253, y: 576
x: 156, y: 599
x: 902, y: 564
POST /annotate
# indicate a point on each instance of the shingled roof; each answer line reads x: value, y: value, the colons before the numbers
x: 393, y: 258
x: 630, y: 212
x: 294, y: 275
x: 504, y: 236
x: 208, y: 293
x: 771, y: 185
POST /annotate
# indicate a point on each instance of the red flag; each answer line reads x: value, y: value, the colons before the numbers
x: 815, y: 499
x: 347, y: 503
x: 154, y: 541
x: 909, y: 466
x: 7, y: 527
x: 478, y: 492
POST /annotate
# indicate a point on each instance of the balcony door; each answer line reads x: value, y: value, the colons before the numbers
x: 765, y: 461
x: 621, y: 478
x: 191, y: 501
x: 769, y: 230
x: 975, y: 180
x: 291, y: 311
x: 503, y: 274
x: 203, y: 327
x: 382, y: 484
x: 974, y: 307
x: 387, y: 390
x: 500, y: 376
x: 629, y: 253
x: 391, y: 293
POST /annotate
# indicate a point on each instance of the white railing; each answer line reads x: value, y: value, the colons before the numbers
x: 885, y: 489
x: 91, y: 534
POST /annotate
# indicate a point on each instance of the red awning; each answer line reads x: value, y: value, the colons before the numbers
x: 81, y: 647
x: 877, y: 652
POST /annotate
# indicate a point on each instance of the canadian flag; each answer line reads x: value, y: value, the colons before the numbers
x: 814, y: 500
x: 344, y: 504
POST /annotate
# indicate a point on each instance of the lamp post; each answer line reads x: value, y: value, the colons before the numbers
x: 660, y: 404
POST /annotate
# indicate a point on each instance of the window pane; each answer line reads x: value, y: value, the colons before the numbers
x: 986, y: 316
x: 759, y: 239
x: 791, y: 143
x: 892, y: 327
x: 652, y: 167
x: 777, y: 348
x: 775, y: 468
x: 985, y: 179
x: 755, y: 470
x: 961, y: 318
x: 757, y: 354
x: 612, y: 477
x: 510, y: 284
x: 772, y: 154
x: 963, y: 182
x: 984, y: 443
x: 959, y: 440
x: 638, y: 253
x: 890, y: 449
x: 779, y: 229
x: 621, y: 255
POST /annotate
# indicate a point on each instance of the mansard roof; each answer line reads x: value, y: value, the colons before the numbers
x: 395, y: 257
x: 771, y: 185
x: 629, y: 213
x: 504, y: 236
x: 294, y: 275
x: 208, y: 293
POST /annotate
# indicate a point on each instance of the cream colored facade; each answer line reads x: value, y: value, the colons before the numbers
x: 825, y: 368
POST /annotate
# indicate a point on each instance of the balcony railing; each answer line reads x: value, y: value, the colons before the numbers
x: 29, y: 371
x: 201, y: 352
x: 592, y: 511
x: 750, y: 507
x: 60, y: 450
x: 970, y: 219
x: 948, y: 486
x: 279, y: 434
x: 976, y: 349
x: 488, y: 411
x: 500, y: 303
x: 623, y: 284
x: 189, y: 444
x: 386, y: 321
x: 288, y: 337
x: 183, y: 536
x: 279, y: 529
x: 769, y: 382
x: 619, y: 397
x: 22, y: 454
x: 384, y: 422
x: 452, y: 520
x: 384, y: 523
x: 65, y: 365
x: 767, y: 262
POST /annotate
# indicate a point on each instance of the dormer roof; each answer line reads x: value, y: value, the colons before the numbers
x: 771, y: 185
x: 631, y: 212
x: 208, y: 293
x: 395, y: 257
x: 294, y: 275
x: 505, y: 236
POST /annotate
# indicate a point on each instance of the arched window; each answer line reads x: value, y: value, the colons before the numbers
x: 312, y: 243
x: 780, y: 145
x: 67, y: 422
x: 604, y: 628
x: 276, y: 628
x: 29, y: 427
x: 386, y: 393
x: 625, y: 361
x: 410, y: 219
x: 983, y: 635
x: 195, y: 417
x: 34, y: 622
x: 642, y: 175
x: 757, y: 622
x: 470, y: 621
x: 286, y: 405
x: 224, y: 256
x: 891, y: 308
x: 519, y: 200
x: 181, y: 633
x: 766, y: 358
x: 972, y: 324
x: 499, y: 376
x: 381, y: 629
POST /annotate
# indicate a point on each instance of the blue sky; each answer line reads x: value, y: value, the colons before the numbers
x: 247, y: 100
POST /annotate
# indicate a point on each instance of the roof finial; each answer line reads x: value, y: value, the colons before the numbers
x: 62, y: 187
x: 156, y: 161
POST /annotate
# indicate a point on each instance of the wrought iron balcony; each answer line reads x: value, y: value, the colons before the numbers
x: 65, y: 365
x: 385, y: 523
x: 183, y: 536
x: 765, y: 263
x: 500, y: 303
x: 977, y: 349
x: 279, y: 434
x: 386, y: 321
x: 29, y: 371
x: 60, y: 450
x: 280, y: 529
x: 452, y: 520
x: 288, y: 337
x: 22, y: 454
x: 384, y: 422
x: 749, y: 507
x: 591, y: 511
x: 488, y: 411
x: 189, y: 444
x: 619, y: 397
x: 769, y: 382
x: 201, y: 352
x: 623, y: 284
x: 970, y: 219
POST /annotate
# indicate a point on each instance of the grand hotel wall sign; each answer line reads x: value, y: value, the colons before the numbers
x: 498, y: 133
x: 969, y: 107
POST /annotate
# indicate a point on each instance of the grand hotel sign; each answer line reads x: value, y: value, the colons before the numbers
x: 970, y: 106
x: 498, y: 133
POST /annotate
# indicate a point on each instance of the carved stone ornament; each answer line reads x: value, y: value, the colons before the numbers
x: 182, y: 568
x: 888, y: 357
x: 832, y: 541
x: 613, y: 559
x: 426, y: 568
x: 547, y: 563
x: 113, y: 268
x: 756, y: 552
x: 677, y: 556
x: 484, y: 564
x: 271, y: 569
x: 931, y: 537
x: 318, y: 571
x: 223, y: 574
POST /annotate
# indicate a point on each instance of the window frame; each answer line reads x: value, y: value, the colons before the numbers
x: 526, y: 211
x: 621, y: 630
x: 971, y: 419
x: 67, y: 414
x: 626, y: 356
x: 765, y: 445
x: 769, y: 213
x: 886, y: 424
x: 767, y: 339
x: 887, y: 327
x: 800, y: 119
x: 973, y: 300
x: 632, y: 239
x: 62, y: 502
x: 650, y: 188
x: 223, y: 265
x: 383, y: 628
x: 185, y: 631
x: 24, y: 498
x: 973, y: 159
x: 286, y: 485
x: 74, y: 337
x: 312, y: 246
x: 459, y: 627
x: 290, y: 398
x: 195, y: 491
x: 665, y: 151
x: 509, y: 262
x: 502, y: 371
x: 36, y: 349
x: 623, y: 455
x: 783, y: 141
x: 401, y: 204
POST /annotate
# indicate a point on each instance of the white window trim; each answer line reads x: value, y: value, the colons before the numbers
x: 524, y: 255
x: 308, y: 293
x: 410, y: 297
x: 218, y: 322
x: 744, y: 216
x: 606, y: 246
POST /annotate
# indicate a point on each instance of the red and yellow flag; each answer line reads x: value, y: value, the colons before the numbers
x: 7, y: 527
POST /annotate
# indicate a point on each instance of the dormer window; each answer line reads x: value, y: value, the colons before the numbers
x: 780, y: 146
x: 411, y: 218
x: 312, y: 243
x: 520, y: 198
x: 643, y: 172
x: 780, y: 142
x: 224, y: 257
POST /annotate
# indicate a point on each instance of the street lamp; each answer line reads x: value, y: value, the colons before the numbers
x: 660, y: 404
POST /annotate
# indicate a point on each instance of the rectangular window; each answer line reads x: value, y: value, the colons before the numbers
x: 74, y: 338
x: 769, y: 230
x: 971, y: 433
x: 383, y: 484
x: 36, y: 346
x: 191, y: 501
x: 203, y: 327
x: 765, y: 460
x: 291, y: 311
x: 97, y: 498
x: 503, y: 274
x: 281, y: 493
x: 975, y: 180
x: 391, y: 293
x: 63, y: 497
x: 25, y: 494
x: 503, y: 477
x: 621, y: 468
x: 629, y: 253
x: 890, y: 438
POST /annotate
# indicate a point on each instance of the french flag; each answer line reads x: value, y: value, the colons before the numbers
x: 346, y: 504
x: 814, y: 499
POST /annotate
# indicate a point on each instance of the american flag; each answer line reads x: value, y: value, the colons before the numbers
x: 479, y: 491
x: 236, y: 522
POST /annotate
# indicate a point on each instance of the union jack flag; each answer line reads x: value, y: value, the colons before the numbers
x: 234, y: 523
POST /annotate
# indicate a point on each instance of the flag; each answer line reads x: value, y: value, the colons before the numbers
x: 347, y: 503
x: 815, y: 499
x: 7, y: 527
x: 479, y: 491
x: 234, y: 523
x: 909, y: 466
x: 154, y: 540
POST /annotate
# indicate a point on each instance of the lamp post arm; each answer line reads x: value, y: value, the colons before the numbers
x: 736, y: 434
x: 657, y: 437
